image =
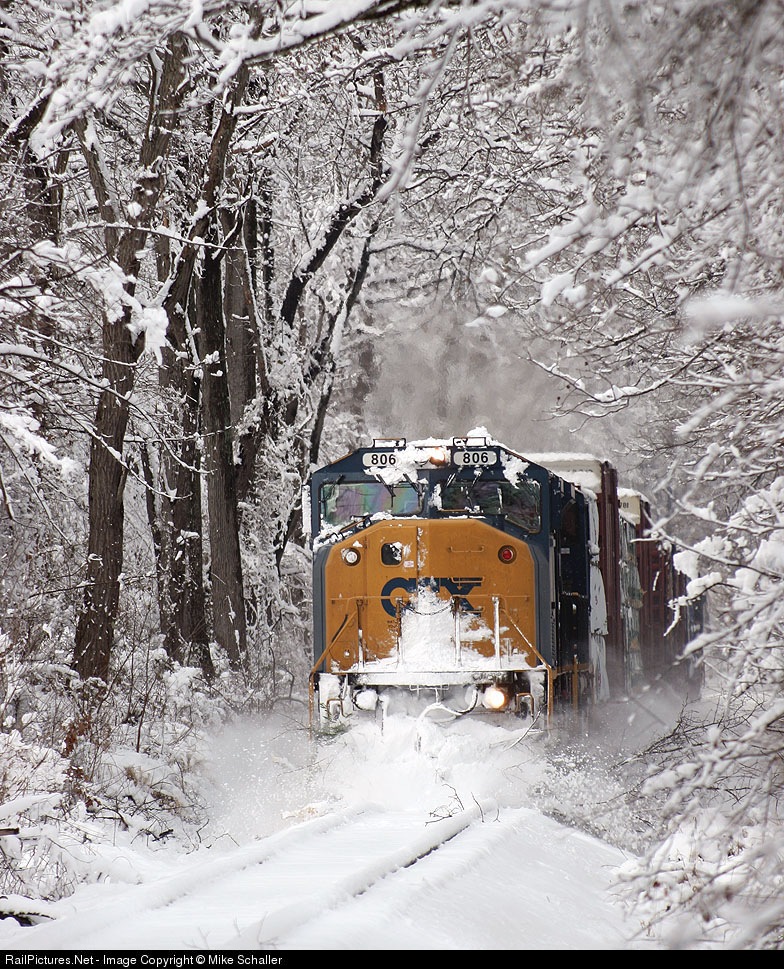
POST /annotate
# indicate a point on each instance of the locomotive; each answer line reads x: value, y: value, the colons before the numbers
x: 485, y: 579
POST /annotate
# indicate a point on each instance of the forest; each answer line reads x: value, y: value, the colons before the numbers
x: 241, y: 237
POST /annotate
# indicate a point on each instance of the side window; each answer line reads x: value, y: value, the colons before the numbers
x: 523, y: 504
x: 327, y: 503
x: 569, y: 522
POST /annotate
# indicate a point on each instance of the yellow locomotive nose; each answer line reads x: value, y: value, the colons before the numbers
x: 396, y: 576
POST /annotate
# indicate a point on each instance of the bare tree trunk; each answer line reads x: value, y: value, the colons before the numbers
x: 228, y: 601
x: 239, y: 313
x: 188, y: 638
x: 95, y: 628
x: 177, y: 526
x: 258, y: 239
x: 189, y: 294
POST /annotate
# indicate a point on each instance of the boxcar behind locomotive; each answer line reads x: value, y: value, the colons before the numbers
x: 485, y: 578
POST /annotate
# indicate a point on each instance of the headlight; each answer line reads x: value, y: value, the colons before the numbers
x: 495, y: 698
x: 366, y: 699
x: 350, y: 556
x: 437, y: 456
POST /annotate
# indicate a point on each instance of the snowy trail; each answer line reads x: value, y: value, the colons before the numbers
x: 274, y: 887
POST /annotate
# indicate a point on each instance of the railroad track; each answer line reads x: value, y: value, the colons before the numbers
x: 277, y: 889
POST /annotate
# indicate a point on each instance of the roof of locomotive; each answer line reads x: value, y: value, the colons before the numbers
x: 584, y: 470
x: 412, y: 456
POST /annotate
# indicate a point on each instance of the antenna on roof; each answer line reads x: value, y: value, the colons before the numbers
x: 389, y: 442
x: 472, y: 441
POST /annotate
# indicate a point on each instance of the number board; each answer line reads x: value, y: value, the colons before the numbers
x: 475, y: 457
x: 379, y: 459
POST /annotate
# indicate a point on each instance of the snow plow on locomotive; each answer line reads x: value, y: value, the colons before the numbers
x: 484, y: 579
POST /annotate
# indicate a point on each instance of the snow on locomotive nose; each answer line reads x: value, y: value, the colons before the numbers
x: 462, y: 569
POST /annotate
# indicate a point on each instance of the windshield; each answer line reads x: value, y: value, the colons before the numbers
x: 520, y: 503
x: 341, y: 502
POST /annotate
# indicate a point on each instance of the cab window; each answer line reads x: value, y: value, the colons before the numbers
x: 479, y: 497
x: 345, y: 501
x: 520, y: 503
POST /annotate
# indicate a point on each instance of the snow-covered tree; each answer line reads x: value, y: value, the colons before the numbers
x: 661, y: 281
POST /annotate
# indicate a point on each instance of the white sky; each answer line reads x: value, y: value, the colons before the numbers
x: 310, y: 847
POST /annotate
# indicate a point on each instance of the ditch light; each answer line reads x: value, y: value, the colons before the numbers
x: 495, y: 698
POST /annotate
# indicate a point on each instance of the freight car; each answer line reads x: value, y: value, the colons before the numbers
x: 485, y: 579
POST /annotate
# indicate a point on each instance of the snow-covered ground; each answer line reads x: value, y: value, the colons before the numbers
x: 420, y: 835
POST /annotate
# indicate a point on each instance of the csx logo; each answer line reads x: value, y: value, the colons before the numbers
x: 455, y: 587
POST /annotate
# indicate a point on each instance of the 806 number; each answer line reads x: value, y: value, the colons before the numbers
x: 475, y: 458
x: 379, y: 459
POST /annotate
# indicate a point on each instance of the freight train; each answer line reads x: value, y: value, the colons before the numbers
x: 486, y: 579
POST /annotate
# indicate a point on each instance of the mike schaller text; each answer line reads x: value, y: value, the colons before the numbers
x: 33, y: 960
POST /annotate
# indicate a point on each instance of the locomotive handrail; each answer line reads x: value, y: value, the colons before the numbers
x: 347, y: 622
x: 543, y: 661
x: 522, y: 635
x: 327, y: 650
